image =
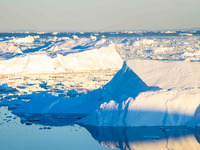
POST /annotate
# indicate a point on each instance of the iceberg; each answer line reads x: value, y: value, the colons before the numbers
x: 104, y: 58
x: 176, y: 104
x: 87, y: 103
x: 142, y: 93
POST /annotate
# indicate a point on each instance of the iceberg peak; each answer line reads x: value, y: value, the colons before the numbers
x: 126, y: 83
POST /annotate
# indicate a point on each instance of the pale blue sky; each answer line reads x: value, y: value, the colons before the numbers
x: 98, y: 15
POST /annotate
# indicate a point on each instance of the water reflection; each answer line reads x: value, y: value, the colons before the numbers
x: 50, y: 119
x: 156, y: 138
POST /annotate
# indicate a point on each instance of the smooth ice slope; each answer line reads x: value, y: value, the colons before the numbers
x: 165, y: 74
x: 97, y: 59
x: 125, y: 84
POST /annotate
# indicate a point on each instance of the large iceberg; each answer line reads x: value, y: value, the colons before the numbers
x: 176, y: 104
x: 142, y: 93
x: 123, y: 85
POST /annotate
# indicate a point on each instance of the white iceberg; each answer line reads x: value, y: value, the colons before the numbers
x: 87, y: 103
x: 164, y: 96
x: 104, y: 58
x: 177, y: 104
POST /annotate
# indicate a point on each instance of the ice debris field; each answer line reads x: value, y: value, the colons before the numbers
x: 103, y: 79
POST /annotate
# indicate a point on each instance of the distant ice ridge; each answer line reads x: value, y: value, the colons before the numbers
x: 103, y: 58
x: 51, y: 46
x: 167, y: 94
x: 28, y: 39
x: 8, y: 49
x: 180, y: 48
x: 68, y: 45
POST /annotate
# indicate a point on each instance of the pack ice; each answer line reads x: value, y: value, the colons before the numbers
x: 142, y: 93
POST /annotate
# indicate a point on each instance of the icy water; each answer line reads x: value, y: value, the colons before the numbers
x: 48, y: 134
x: 47, y: 131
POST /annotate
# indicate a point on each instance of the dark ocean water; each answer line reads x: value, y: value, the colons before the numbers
x: 100, y: 34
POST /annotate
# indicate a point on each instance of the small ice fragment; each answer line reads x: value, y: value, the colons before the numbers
x: 46, y: 128
x: 166, y: 130
x: 12, y: 107
x: 28, y: 123
x: 151, y: 137
x: 61, y: 95
x: 23, y: 120
x: 75, y: 36
x: 93, y: 37
x: 8, y: 116
x: 72, y: 93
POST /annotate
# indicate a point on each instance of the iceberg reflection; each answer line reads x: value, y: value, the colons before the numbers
x: 128, y: 138
x: 155, y: 138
